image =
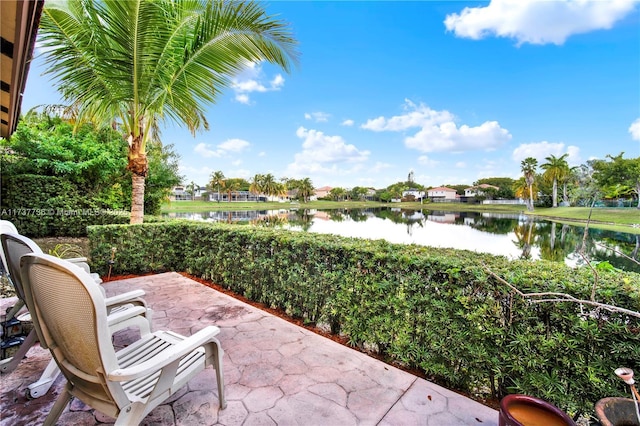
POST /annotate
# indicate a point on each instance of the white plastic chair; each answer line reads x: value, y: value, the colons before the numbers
x: 71, y: 320
x: 6, y: 227
x: 125, y: 310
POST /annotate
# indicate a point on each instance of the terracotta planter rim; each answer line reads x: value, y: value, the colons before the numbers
x: 533, y: 401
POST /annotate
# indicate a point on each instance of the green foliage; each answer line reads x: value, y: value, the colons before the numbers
x: 42, y: 206
x: 66, y: 251
x: 504, y: 183
x: 56, y: 182
x: 620, y: 175
x: 459, y: 188
x: 434, y: 309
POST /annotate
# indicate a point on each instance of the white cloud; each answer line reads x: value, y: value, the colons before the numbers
x: 536, y: 21
x: 206, y: 151
x: 541, y: 150
x: 438, y: 132
x: 324, y: 154
x: 348, y: 122
x: 380, y: 166
x: 251, y: 80
x: 424, y: 160
x: 461, y: 165
x: 318, y: 117
x: 634, y: 130
x: 230, y: 145
x: 243, y: 98
x: 262, y: 154
x: 234, y: 145
x: 199, y: 175
x: 236, y: 162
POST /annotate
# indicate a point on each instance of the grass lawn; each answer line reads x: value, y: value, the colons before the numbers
x: 625, y: 220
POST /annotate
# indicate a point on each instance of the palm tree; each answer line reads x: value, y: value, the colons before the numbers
x: 338, y: 193
x: 232, y: 185
x: 217, y: 181
x: 139, y: 62
x: 269, y: 185
x: 528, y: 167
x: 555, y: 169
x: 256, y: 186
x: 305, y: 189
x: 192, y: 188
x: 521, y: 190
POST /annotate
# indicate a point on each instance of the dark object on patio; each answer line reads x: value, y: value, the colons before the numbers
x: 523, y: 410
x: 617, y: 412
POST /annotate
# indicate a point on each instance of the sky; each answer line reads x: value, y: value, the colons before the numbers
x: 453, y: 91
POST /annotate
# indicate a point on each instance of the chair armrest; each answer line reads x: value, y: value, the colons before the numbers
x: 128, y: 297
x: 77, y: 259
x: 173, y: 354
x: 125, y: 314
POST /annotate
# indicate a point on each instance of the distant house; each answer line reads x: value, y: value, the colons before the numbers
x: 322, y: 192
x: 442, y: 193
x: 370, y: 195
x: 415, y: 193
x: 478, y: 190
x: 180, y: 193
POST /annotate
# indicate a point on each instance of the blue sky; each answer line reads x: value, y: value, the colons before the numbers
x: 455, y: 91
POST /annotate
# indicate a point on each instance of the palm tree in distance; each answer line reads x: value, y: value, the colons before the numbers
x: 217, y: 181
x: 269, y: 185
x: 528, y: 167
x: 305, y: 189
x: 256, y: 186
x: 192, y: 188
x: 232, y: 186
x: 556, y: 169
x: 141, y: 62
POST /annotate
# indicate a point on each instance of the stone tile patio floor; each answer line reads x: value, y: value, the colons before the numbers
x: 276, y: 373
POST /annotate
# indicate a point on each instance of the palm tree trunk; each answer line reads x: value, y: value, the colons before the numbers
x: 555, y: 193
x: 137, y: 199
x: 530, y: 206
x: 139, y: 167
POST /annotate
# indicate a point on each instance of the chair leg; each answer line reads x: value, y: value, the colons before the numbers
x: 59, y: 406
x: 41, y: 387
x: 10, y: 364
x: 220, y: 375
x: 132, y: 414
x: 14, y: 310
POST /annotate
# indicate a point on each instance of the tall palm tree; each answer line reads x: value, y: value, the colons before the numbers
x: 528, y: 167
x: 217, y: 181
x: 269, y: 185
x: 232, y: 186
x: 305, y: 189
x: 256, y: 187
x: 191, y: 189
x: 555, y: 169
x: 140, y: 62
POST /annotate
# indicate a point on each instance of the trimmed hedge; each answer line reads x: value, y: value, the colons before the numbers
x: 43, y: 206
x: 433, y: 309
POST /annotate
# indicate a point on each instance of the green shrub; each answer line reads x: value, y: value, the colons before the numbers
x: 434, y: 309
x: 43, y: 206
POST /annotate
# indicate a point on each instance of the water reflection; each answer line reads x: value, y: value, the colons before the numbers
x: 514, y: 236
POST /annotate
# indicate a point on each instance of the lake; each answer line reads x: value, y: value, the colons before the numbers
x: 513, y: 236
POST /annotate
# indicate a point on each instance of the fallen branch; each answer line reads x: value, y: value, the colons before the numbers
x: 561, y: 297
x: 618, y: 252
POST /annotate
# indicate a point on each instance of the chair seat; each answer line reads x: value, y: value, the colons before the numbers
x: 148, y: 347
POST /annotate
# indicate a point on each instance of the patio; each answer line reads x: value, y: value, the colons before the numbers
x: 276, y: 373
